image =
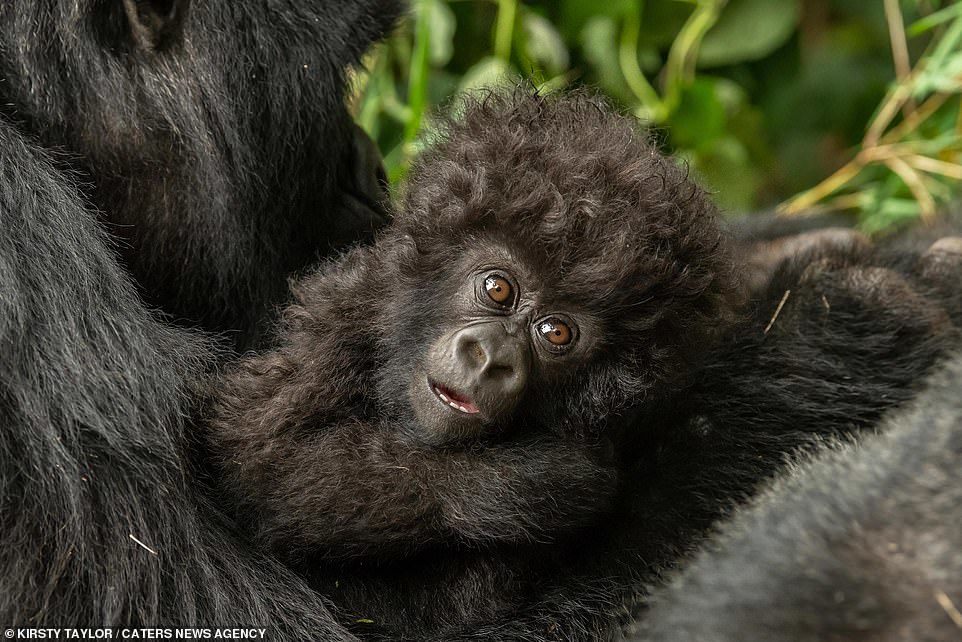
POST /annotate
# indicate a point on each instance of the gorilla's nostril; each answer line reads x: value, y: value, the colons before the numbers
x: 500, y: 371
x: 472, y: 353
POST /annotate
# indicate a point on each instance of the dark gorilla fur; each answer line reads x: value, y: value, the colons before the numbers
x: 211, y: 136
x: 95, y: 394
x: 214, y: 143
x: 864, y: 543
x: 535, y: 530
x: 212, y: 140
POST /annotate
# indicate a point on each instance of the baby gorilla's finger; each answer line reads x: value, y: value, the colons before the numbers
x: 940, y: 268
x: 861, y: 293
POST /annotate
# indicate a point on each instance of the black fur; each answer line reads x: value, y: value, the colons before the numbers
x: 223, y: 159
x: 104, y: 520
x: 315, y: 439
x: 864, y: 543
x: 758, y: 400
x: 95, y: 395
x: 212, y: 145
x: 213, y: 148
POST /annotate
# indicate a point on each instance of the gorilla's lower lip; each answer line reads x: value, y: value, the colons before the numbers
x: 454, y: 400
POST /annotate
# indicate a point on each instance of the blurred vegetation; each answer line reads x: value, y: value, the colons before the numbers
x: 763, y: 98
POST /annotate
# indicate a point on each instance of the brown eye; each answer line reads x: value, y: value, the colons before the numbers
x: 499, y: 290
x: 556, y: 332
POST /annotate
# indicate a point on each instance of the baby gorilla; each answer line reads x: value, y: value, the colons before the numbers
x: 463, y: 382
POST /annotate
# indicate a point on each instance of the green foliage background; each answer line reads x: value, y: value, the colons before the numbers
x: 763, y: 98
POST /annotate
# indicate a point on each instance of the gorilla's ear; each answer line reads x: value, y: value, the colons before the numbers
x: 155, y: 23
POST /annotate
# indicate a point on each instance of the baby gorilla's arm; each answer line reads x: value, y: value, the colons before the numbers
x: 352, y: 488
x: 358, y: 490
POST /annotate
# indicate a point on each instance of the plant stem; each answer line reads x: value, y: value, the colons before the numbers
x: 504, y: 30
x: 893, y: 103
x: 900, y: 48
x: 628, y: 61
x: 418, y: 72
x: 828, y: 186
x: 683, y: 54
x: 916, y: 185
x: 914, y: 119
x: 935, y: 166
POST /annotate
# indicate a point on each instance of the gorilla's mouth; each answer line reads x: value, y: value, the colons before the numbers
x: 460, y: 402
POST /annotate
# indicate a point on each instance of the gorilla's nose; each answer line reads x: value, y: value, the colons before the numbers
x: 496, y: 362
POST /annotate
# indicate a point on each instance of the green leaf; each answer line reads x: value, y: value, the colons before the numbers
x: 947, y: 45
x: 890, y: 213
x: 543, y: 44
x: 441, y: 24
x: 943, y: 67
x: 748, y: 30
x: 661, y: 21
x: 599, y: 43
x: 731, y: 95
x: 487, y: 72
x: 945, y: 78
x: 576, y: 14
x: 933, y: 20
x: 727, y: 169
x: 441, y: 85
x: 700, y: 117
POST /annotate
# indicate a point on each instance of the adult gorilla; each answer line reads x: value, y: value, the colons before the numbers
x: 211, y: 136
x: 213, y: 140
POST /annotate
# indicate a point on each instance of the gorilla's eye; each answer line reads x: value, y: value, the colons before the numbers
x: 499, y: 290
x: 557, y: 333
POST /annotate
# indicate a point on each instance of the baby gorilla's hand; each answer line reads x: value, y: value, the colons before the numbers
x: 765, y: 257
x: 878, y: 304
x: 843, y: 288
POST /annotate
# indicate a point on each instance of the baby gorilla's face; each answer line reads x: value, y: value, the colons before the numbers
x: 504, y: 339
x: 598, y: 275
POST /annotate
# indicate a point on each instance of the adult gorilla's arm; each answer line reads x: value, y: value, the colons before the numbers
x: 862, y: 543
x: 101, y: 520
